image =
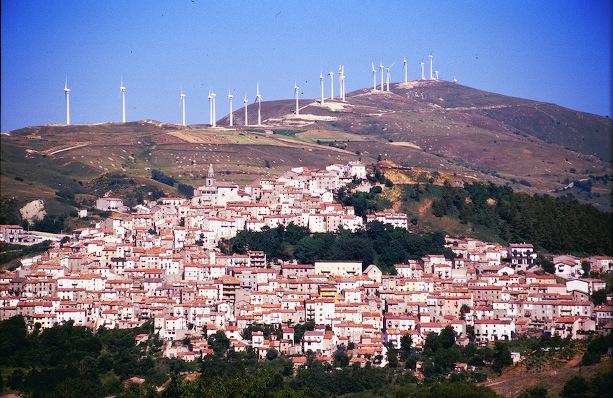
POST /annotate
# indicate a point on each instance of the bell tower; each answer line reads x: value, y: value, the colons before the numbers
x: 210, y: 177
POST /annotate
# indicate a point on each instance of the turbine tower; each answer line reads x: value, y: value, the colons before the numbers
x: 245, y: 102
x: 374, y: 77
x: 258, y: 98
x: 210, y: 97
x: 296, y: 88
x: 382, y: 79
x: 321, y: 83
x: 387, y: 76
x: 214, y: 109
x: 341, y: 81
x: 122, y: 90
x: 331, y: 74
x: 182, y: 99
x: 430, y: 59
x: 230, y: 98
x: 406, y: 73
x: 67, y: 96
x: 423, y: 71
x: 435, y: 75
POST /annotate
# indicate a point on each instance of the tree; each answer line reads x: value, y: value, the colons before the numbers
x: 586, y: 267
x: 575, y: 387
x: 219, y: 343
x: 599, y: 297
x: 272, y: 354
x: 502, y: 357
x: 534, y: 392
x: 392, y: 356
x: 464, y: 309
x: 447, y: 337
x: 405, y: 346
x: 340, y: 358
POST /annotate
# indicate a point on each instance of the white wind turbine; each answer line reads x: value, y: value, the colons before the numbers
x: 296, y: 88
x: 258, y: 98
x: 406, y: 73
x: 423, y: 71
x: 67, y: 96
x: 382, y: 79
x: 321, y: 83
x: 122, y: 90
x: 245, y: 104
x: 182, y: 100
x: 430, y: 59
x: 331, y: 74
x: 435, y: 75
x: 341, y: 81
x: 214, y: 109
x: 210, y: 97
x: 230, y: 98
x: 387, y: 76
x: 374, y: 77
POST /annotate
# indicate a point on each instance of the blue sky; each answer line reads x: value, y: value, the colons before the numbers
x: 554, y: 51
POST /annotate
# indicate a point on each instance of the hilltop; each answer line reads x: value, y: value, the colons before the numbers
x: 418, y: 128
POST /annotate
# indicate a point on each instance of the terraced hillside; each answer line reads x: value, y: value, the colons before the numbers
x: 420, y: 126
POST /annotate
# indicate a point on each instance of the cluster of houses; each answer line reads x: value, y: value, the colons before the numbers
x: 161, y: 263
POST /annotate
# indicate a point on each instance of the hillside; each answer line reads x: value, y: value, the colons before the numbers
x: 424, y: 127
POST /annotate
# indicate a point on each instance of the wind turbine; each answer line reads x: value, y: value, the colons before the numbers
x: 67, y: 96
x: 423, y: 71
x: 374, y: 77
x: 182, y: 99
x: 230, y: 98
x: 258, y: 98
x: 387, y: 77
x: 341, y: 81
x: 210, y: 97
x: 214, y: 109
x: 245, y: 102
x: 406, y: 73
x: 331, y: 74
x: 455, y: 80
x: 381, y: 67
x: 321, y: 83
x: 296, y: 88
x: 123, y: 89
x: 435, y: 75
x: 430, y: 59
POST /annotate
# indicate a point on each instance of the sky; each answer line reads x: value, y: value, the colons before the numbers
x: 553, y: 51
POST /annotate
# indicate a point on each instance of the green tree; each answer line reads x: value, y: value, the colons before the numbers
x: 502, y: 356
x: 392, y: 356
x: 534, y: 392
x: 575, y: 387
x: 340, y: 359
x: 219, y: 343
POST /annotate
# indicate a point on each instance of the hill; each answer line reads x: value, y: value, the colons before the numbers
x: 420, y: 127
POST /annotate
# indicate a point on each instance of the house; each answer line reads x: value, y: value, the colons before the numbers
x: 585, y: 285
x: 373, y: 273
x: 522, y: 255
x: 487, y: 330
x: 110, y: 204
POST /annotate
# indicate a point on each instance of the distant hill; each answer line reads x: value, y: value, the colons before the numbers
x: 427, y: 127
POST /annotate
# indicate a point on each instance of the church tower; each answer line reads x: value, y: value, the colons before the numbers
x: 210, y: 177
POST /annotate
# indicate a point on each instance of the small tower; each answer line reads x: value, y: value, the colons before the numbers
x: 210, y: 177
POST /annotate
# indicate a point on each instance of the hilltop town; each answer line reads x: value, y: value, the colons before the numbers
x: 160, y: 262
